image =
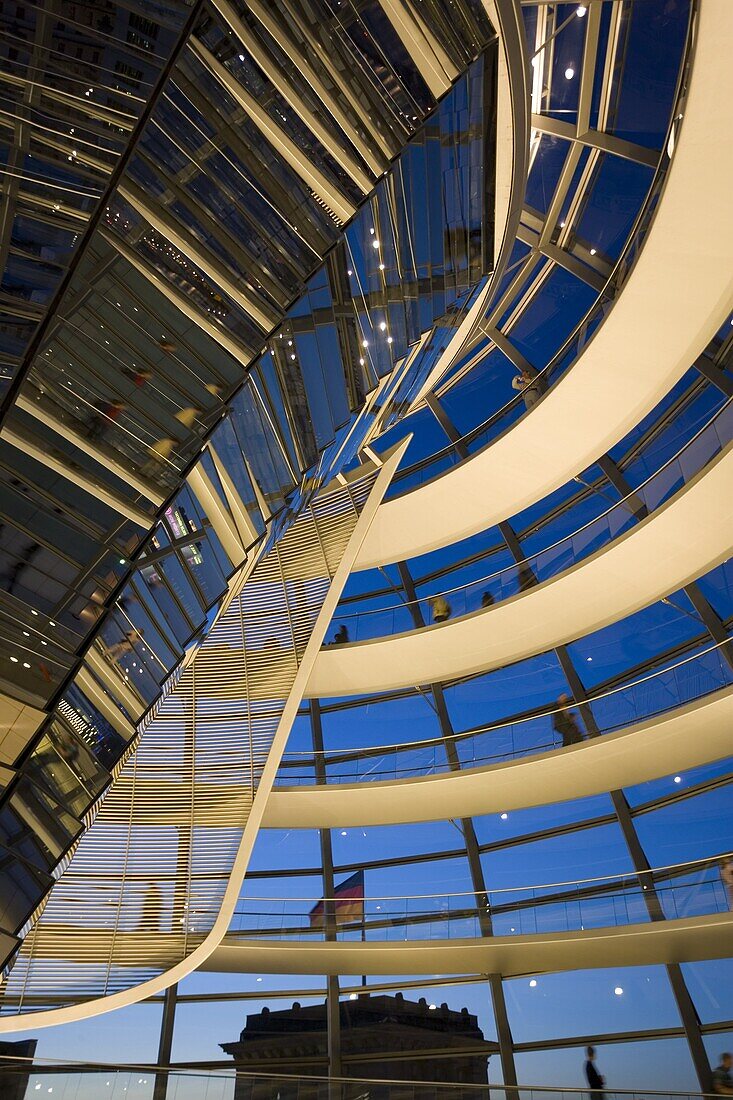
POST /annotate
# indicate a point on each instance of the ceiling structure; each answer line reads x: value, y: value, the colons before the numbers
x: 377, y: 272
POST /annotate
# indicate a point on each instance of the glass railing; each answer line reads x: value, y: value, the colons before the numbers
x: 95, y: 1081
x: 663, y: 690
x: 568, y: 551
x: 671, y: 893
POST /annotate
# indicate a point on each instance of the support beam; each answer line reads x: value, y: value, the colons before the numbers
x: 328, y: 193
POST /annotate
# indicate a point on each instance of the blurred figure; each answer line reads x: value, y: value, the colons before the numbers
x: 596, y: 1083
x: 125, y: 645
x: 722, y: 1080
x: 139, y: 377
x: 167, y: 345
x: 10, y: 578
x: 530, y: 386
x: 525, y: 577
x: 441, y: 609
x: 726, y: 875
x: 487, y: 600
x: 564, y: 723
x: 341, y: 636
x: 152, y: 909
x: 105, y: 413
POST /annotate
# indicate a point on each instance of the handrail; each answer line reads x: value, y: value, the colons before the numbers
x: 517, y: 565
x: 466, y: 734
x: 46, y: 1065
x: 672, y: 868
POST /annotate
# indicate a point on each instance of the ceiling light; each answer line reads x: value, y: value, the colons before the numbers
x: 375, y: 243
x: 389, y: 340
x: 349, y: 272
x: 503, y: 816
x: 372, y: 232
x: 365, y: 343
x: 678, y: 779
x: 26, y: 665
x: 353, y: 996
x: 432, y: 1007
x: 533, y: 983
x: 592, y: 251
x: 618, y: 990
x: 381, y: 267
x: 241, y: 57
x: 14, y: 660
x: 569, y: 72
x: 383, y: 325
x: 580, y: 10
x: 343, y: 832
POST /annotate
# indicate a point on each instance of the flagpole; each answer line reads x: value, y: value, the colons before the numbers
x: 363, y: 936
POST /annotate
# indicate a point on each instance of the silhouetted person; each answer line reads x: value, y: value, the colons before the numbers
x: 341, y: 635
x: 152, y: 909
x: 440, y: 608
x: 530, y: 386
x: 487, y: 600
x: 722, y: 1080
x: 726, y: 875
x: 125, y: 645
x: 525, y: 577
x: 595, y: 1082
x: 104, y: 414
x: 12, y: 576
x: 565, y: 724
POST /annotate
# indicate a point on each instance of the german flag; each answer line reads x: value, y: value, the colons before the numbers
x: 348, y: 903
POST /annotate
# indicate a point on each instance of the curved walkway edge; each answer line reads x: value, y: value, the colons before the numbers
x: 675, y: 300
x: 689, y: 939
x: 688, y: 737
x: 685, y: 538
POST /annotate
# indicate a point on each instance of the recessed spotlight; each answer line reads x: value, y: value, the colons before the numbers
x: 14, y: 660
x: 533, y: 983
x: 353, y: 996
x: 432, y: 1007
x: 592, y: 251
x: 569, y: 72
x: 375, y: 243
x: 678, y: 779
x: 383, y: 325
x: 618, y: 990
x: 581, y: 10
x: 503, y: 816
x: 343, y: 832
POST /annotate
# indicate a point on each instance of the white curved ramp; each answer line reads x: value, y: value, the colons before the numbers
x: 686, y: 940
x: 685, y: 738
x: 676, y: 298
x: 686, y: 537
